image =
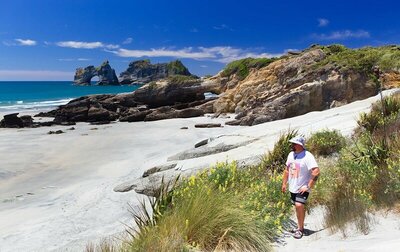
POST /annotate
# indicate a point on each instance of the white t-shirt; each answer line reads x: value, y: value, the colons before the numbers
x: 299, y: 167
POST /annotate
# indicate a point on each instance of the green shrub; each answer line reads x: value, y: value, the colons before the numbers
x: 335, y: 48
x: 326, y: 142
x: 276, y: 159
x: 378, y: 116
x: 242, y: 67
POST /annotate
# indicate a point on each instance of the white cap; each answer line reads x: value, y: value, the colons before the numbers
x: 298, y: 140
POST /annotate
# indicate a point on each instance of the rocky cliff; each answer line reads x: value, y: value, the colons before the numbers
x: 142, y: 71
x: 105, y: 73
x: 316, y: 79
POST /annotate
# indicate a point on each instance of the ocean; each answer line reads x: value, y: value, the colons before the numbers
x: 43, y: 95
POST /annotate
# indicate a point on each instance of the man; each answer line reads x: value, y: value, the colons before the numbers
x: 302, y: 172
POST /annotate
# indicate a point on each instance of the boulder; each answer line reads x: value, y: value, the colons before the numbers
x: 12, y: 121
x: 169, y: 93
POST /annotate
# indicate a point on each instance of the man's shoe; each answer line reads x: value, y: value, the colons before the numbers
x: 298, y: 234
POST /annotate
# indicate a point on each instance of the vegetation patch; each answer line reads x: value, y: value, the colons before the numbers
x: 242, y: 67
x: 176, y: 67
x: 182, y: 79
x: 363, y: 59
x: 326, y: 142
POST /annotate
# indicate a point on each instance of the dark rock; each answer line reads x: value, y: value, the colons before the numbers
x: 190, y: 112
x: 12, y: 121
x: 233, y: 123
x: 142, y: 71
x: 47, y: 124
x: 105, y: 73
x: 134, y: 115
x: 201, y: 143
x: 100, y: 122
x: 72, y: 128
x: 168, y: 93
x: 55, y: 132
x: 158, y: 169
x: 98, y: 114
x: 27, y: 121
x: 207, y: 125
x: 185, y: 128
x: 169, y: 113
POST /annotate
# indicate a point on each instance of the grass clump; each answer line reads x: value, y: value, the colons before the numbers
x: 380, y: 115
x: 276, y: 159
x: 242, y: 67
x: 326, y: 142
x: 209, y: 212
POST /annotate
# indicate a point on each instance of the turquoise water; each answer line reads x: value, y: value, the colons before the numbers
x: 25, y: 95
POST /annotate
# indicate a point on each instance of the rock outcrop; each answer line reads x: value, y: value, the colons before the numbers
x: 293, y: 85
x: 106, y: 75
x: 142, y: 71
x: 169, y: 98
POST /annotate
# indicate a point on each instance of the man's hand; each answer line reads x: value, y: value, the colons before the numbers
x: 284, y: 187
x: 303, y: 189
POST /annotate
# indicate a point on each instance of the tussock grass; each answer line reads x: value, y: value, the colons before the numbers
x: 208, y: 220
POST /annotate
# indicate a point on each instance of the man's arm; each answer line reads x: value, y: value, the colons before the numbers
x: 285, y: 179
x: 314, y: 177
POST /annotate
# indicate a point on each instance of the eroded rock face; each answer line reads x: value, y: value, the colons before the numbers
x: 292, y: 86
x: 105, y: 73
x: 167, y: 93
x: 142, y: 71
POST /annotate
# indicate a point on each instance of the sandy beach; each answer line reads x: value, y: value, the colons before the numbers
x: 56, y: 191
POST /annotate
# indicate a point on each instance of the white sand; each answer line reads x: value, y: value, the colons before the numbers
x: 72, y: 176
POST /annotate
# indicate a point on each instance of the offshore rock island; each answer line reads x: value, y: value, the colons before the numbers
x: 138, y: 72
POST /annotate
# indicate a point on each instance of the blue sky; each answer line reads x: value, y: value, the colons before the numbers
x: 49, y: 39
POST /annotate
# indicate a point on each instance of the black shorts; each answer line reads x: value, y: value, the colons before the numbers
x: 298, y: 197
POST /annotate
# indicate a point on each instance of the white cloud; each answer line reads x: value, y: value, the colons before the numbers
x: 33, y: 75
x: 222, y: 27
x: 85, y: 45
x: 223, y: 54
x: 341, y: 35
x: 70, y: 59
x: 322, y: 22
x: 127, y: 41
x: 26, y: 42
x: 203, y: 66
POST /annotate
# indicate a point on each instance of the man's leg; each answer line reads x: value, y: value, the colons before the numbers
x: 300, y: 213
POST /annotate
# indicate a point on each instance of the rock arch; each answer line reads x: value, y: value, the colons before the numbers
x: 106, y: 75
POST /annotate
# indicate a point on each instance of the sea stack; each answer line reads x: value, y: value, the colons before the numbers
x: 105, y: 73
x: 142, y: 71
